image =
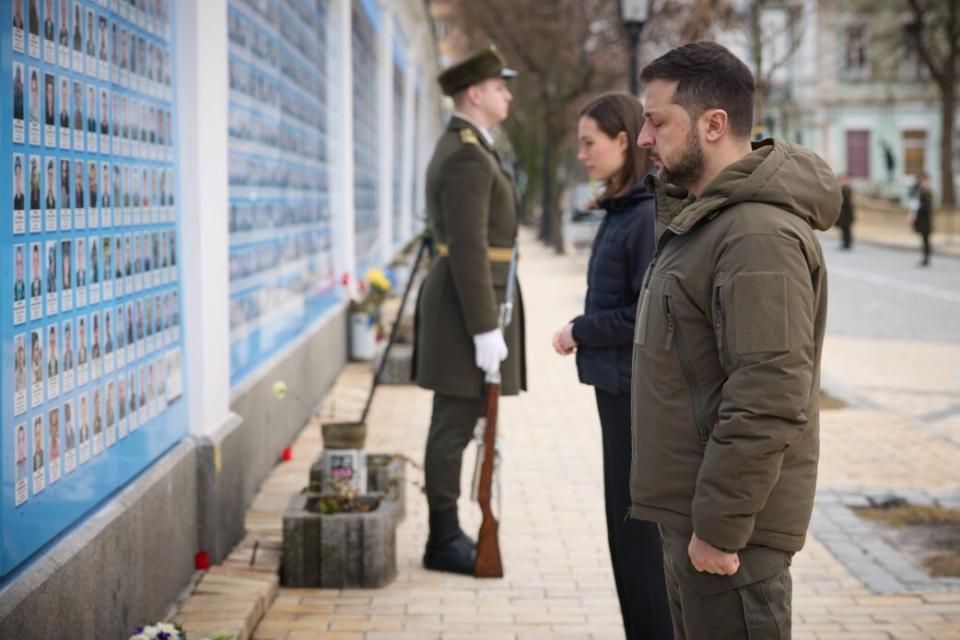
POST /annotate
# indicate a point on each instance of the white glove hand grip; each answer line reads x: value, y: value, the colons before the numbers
x: 489, y: 350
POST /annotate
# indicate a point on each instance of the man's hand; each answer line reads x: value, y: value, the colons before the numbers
x: 489, y: 350
x: 707, y: 558
x: 563, y: 342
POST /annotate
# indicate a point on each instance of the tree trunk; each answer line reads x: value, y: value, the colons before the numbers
x: 546, y: 187
x: 756, y: 37
x: 947, y: 132
x: 557, y: 223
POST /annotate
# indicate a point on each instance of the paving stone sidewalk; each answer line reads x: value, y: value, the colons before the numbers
x: 558, y: 583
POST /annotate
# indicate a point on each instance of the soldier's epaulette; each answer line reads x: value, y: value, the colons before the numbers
x: 467, y: 136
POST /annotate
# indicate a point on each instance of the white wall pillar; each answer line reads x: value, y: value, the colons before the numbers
x: 341, y: 143
x: 387, y: 134
x: 202, y: 105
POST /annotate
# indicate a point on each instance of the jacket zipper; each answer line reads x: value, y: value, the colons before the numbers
x: 674, y: 334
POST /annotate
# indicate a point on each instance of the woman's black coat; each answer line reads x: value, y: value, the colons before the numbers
x: 622, y: 249
x: 923, y: 223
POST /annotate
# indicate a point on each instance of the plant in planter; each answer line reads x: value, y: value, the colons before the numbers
x: 167, y: 631
x: 386, y: 475
x: 338, y: 496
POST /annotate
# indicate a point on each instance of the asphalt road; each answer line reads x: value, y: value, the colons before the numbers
x: 879, y: 292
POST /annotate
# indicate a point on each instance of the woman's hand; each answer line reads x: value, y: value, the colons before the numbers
x: 563, y: 341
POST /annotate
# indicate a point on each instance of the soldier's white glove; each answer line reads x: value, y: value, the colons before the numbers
x: 489, y: 350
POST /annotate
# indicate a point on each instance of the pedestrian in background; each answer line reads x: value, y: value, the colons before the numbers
x: 845, y: 221
x: 603, y: 341
x: 921, y: 205
x: 726, y: 365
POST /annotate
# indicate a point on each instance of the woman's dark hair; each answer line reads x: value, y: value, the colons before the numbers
x: 614, y: 113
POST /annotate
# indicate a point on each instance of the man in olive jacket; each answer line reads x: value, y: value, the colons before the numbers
x: 472, y: 204
x: 727, y: 348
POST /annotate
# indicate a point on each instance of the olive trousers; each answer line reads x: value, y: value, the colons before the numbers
x: 451, y: 427
x: 752, y: 604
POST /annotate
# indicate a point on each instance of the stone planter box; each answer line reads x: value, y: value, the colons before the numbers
x: 385, y: 475
x: 339, y: 550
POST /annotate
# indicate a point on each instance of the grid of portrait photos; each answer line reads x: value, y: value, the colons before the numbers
x: 96, y: 309
x: 281, y: 265
x: 399, y: 150
x: 366, y: 135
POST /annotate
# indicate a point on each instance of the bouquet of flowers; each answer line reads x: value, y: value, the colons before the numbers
x: 167, y: 631
x: 373, y: 290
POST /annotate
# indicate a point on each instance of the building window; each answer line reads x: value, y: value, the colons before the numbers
x: 858, y: 154
x: 856, y: 62
x: 914, y: 151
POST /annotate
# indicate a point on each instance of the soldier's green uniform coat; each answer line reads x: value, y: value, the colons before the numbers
x: 472, y: 204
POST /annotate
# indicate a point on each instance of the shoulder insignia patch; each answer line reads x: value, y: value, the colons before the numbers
x: 467, y: 136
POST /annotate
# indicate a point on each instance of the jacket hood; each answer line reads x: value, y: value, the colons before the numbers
x: 637, y: 193
x: 784, y: 175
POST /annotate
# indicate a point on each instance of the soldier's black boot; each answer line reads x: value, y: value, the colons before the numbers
x: 448, y: 547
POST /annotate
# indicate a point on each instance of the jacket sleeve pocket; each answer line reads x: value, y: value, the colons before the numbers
x: 720, y: 323
x: 760, y: 316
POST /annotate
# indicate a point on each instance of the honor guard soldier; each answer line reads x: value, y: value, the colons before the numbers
x: 472, y: 204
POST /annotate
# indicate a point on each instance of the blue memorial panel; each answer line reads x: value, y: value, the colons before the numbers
x: 418, y: 217
x: 281, y: 264
x: 92, y: 385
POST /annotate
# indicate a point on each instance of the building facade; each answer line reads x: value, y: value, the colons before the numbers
x: 850, y: 85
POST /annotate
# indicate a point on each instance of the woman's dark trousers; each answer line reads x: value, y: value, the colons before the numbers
x: 634, y: 544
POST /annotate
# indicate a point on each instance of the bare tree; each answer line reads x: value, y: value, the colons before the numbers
x: 762, y: 39
x: 771, y: 47
x: 676, y: 22
x: 935, y: 29
x: 565, y: 50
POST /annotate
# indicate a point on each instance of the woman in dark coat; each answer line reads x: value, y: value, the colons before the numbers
x: 603, y: 340
x: 845, y: 221
x: 923, y: 215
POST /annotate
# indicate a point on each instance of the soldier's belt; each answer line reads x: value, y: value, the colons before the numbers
x: 494, y: 254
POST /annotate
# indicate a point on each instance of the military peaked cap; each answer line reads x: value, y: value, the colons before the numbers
x: 478, y: 66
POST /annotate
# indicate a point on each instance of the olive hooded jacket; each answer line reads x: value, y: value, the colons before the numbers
x: 726, y: 364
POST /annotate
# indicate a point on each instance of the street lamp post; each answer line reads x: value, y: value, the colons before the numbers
x: 634, y: 14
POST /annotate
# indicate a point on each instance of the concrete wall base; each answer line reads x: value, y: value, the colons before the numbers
x: 121, y: 568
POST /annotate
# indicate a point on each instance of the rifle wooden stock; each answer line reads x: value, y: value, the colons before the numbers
x: 488, y: 564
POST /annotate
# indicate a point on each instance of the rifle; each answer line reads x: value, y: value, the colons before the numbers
x: 488, y: 563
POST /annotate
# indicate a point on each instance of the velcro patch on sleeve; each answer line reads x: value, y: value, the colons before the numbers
x: 760, y: 309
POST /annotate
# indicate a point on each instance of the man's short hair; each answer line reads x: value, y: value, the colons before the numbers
x: 708, y: 76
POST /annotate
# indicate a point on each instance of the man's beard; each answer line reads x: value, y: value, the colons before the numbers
x: 688, y: 169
